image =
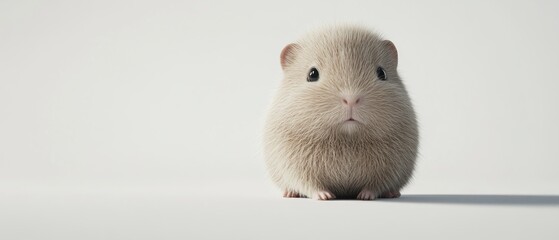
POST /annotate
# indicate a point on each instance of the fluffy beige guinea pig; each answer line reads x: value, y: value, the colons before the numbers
x: 341, y: 124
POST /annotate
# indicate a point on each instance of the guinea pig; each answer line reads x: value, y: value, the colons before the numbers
x: 341, y: 124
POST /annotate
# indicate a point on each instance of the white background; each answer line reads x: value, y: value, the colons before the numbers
x: 143, y: 119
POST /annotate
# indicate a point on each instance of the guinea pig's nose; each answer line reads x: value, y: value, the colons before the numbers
x: 350, y: 101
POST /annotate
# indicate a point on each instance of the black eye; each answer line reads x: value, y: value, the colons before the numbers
x: 313, y: 75
x: 381, y: 74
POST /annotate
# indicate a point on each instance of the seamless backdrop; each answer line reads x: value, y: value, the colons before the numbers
x: 169, y: 97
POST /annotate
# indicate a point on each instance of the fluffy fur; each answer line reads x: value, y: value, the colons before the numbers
x: 311, y: 149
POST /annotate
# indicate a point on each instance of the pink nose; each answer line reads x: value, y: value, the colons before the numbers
x: 351, y: 101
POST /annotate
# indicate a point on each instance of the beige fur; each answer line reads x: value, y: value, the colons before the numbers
x: 309, y: 148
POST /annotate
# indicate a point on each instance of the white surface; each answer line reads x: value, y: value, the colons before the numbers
x: 142, y: 119
x: 179, y: 215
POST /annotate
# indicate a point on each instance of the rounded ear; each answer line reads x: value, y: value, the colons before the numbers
x: 393, y: 52
x: 287, y: 55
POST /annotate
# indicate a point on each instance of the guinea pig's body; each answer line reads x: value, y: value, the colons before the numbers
x: 342, y: 124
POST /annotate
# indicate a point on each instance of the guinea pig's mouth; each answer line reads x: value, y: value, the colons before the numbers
x: 350, y: 125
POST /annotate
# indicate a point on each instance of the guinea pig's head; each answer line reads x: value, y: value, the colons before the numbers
x: 343, y: 80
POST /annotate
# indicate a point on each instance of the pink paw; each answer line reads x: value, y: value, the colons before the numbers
x: 366, y: 194
x: 324, y: 195
x: 390, y: 194
x: 291, y: 194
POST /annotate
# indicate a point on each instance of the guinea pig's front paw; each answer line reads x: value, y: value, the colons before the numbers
x: 323, y: 195
x: 366, y: 194
x: 291, y: 194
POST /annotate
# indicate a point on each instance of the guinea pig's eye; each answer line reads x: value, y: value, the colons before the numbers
x: 381, y: 74
x: 313, y: 75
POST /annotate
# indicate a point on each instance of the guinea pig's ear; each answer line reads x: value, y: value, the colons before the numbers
x: 288, y: 54
x: 391, y: 48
